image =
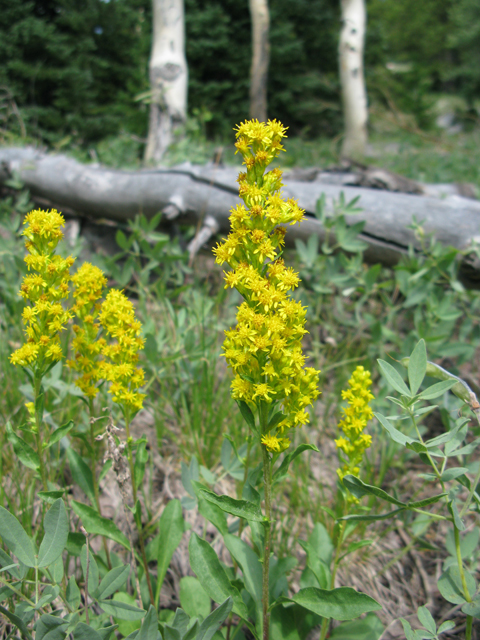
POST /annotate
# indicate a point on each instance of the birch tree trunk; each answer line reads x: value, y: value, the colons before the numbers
x: 354, y: 95
x: 260, y: 59
x: 168, y: 77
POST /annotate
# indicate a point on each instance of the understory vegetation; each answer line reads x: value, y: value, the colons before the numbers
x: 119, y: 561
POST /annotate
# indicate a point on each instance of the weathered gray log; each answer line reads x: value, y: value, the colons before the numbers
x: 192, y: 193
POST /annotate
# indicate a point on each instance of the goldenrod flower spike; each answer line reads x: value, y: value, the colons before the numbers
x: 264, y: 349
x: 44, y: 315
x: 88, y: 285
x: 117, y: 317
x: 354, y: 443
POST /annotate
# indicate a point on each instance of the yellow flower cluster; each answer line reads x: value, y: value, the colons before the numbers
x: 43, y: 288
x: 117, y: 317
x: 88, y: 285
x: 264, y: 349
x: 355, y: 442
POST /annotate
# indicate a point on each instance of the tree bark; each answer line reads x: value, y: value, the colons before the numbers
x: 205, y: 195
x: 354, y: 95
x: 260, y: 59
x: 168, y: 77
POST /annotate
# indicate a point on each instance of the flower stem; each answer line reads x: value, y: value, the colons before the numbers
x: 336, y: 563
x: 38, y: 430
x: 466, y: 593
x: 94, y: 445
x: 138, y: 520
x: 267, y: 481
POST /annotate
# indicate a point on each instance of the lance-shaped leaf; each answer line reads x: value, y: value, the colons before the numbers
x: 23, y: 451
x: 360, y: 489
x: 112, y: 582
x: 249, y: 563
x: 149, y: 628
x: 417, y: 366
x: 82, y: 474
x: 170, y: 533
x: 395, y: 434
x: 213, y: 621
x: 282, y: 470
x: 121, y: 610
x: 343, y: 603
x: 18, y: 622
x: 436, y: 390
x: 239, y: 508
x: 56, y: 534
x: 206, y: 565
x: 95, y: 524
x: 394, y: 378
x: 451, y: 588
x: 58, y: 434
x: 16, y: 539
x: 372, y: 518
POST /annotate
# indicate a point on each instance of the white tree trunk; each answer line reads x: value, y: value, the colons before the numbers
x: 354, y: 95
x: 168, y: 76
x: 260, y: 59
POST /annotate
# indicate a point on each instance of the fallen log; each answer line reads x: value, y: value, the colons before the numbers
x: 204, y: 196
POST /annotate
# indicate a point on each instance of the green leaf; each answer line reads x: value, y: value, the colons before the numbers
x: 112, y: 582
x: 436, y: 390
x: 149, y: 628
x: 453, y: 472
x: 360, y: 489
x: 95, y: 524
x: 472, y: 608
x: 369, y: 628
x: 24, y: 452
x: 213, y: 622
x: 209, y: 571
x: 239, y: 508
x: 249, y: 563
x: 396, y: 436
x: 85, y: 632
x: 394, y: 378
x: 121, y: 610
x: 213, y: 514
x: 50, y: 628
x: 371, y: 518
x: 82, y: 475
x: 16, y: 539
x: 343, y: 603
x: 450, y: 585
x: 75, y: 543
x: 92, y: 569
x: 141, y: 458
x: 193, y: 598
x: 282, y: 470
x: 50, y: 496
x: 170, y: 532
x: 275, y: 419
x: 247, y: 415
x: 418, y: 504
x: 18, y: 622
x: 407, y: 630
x: 58, y: 434
x: 56, y: 534
x: 426, y: 619
x: 73, y: 593
x: 417, y: 366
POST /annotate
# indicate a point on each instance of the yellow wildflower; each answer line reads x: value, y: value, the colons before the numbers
x: 44, y: 316
x: 117, y: 317
x: 88, y: 285
x: 354, y: 442
x: 264, y: 349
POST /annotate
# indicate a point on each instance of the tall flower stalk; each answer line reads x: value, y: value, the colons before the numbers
x: 264, y: 350
x: 44, y: 317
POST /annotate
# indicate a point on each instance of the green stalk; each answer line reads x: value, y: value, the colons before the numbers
x: 138, y: 522
x: 336, y: 564
x: 466, y: 593
x: 38, y: 431
x: 94, y: 445
x: 267, y: 481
